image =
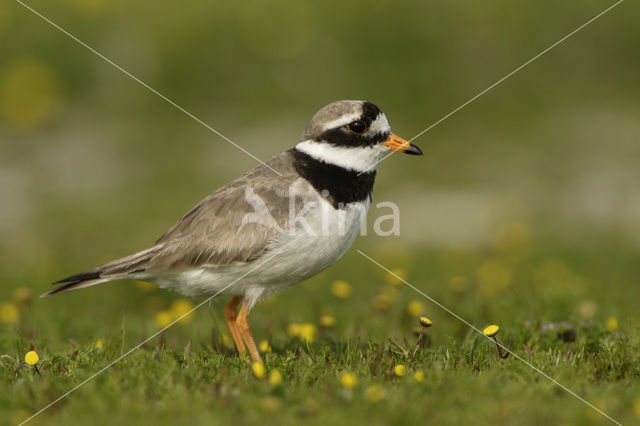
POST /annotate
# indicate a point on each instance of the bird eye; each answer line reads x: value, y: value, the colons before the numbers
x: 357, y: 127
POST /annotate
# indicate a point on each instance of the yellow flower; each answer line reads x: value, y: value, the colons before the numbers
x: 293, y: 329
x: 418, y: 376
x: 163, y: 318
x: 181, y: 308
x: 348, y: 380
x: 31, y: 358
x: 308, y: 332
x: 399, y: 370
x: 22, y: 296
x: 341, y: 289
x: 327, y: 321
x: 264, y: 346
x: 415, y: 308
x: 425, y: 322
x: 275, y: 377
x: 99, y: 344
x: 494, y: 276
x: 258, y: 369
x: 491, y: 330
x: 396, y: 276
x: 612, y: 323
x: 374, y: 393
x: 9, y: 313
x: 227, y: 341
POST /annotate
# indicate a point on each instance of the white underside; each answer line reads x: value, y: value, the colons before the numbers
x: 292, y: 257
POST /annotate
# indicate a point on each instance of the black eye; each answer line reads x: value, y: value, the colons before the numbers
x: 357, y: 127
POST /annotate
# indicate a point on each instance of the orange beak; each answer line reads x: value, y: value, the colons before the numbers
x: 396, y: 143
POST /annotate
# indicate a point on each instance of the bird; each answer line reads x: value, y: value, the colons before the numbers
x: 278, y: 224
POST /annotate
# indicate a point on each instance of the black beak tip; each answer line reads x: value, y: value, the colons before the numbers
x: 413, y: 150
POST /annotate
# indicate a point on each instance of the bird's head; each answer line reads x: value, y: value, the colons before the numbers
x: 352, y: 134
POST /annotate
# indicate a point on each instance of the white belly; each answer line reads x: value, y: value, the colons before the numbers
x: 322, y: 236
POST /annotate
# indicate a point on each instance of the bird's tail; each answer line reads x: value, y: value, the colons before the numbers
x: 78, y: 281
x: 129, y: 267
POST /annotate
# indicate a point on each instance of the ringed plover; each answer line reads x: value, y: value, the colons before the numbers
x: 264, y: 231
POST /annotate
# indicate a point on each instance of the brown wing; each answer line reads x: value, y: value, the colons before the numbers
x: 233, y: 224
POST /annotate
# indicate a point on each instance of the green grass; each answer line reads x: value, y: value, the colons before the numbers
x: 188, y: 373
x: 93, y: 167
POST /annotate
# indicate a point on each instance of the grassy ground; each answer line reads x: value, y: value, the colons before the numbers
x: 535, y: 180
x: 190, y: 372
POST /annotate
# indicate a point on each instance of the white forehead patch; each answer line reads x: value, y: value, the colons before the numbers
x: 380, y: 125
x: 341, y: 121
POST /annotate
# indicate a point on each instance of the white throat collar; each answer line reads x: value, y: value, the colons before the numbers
x: 357, y: 158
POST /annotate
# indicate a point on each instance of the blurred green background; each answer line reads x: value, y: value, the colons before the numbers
x: 525, y: 206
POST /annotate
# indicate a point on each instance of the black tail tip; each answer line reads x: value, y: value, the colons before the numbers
x: 91, y: 275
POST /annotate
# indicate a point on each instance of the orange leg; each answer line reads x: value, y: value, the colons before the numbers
x: 230, y: 317
x: 243, y: 325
